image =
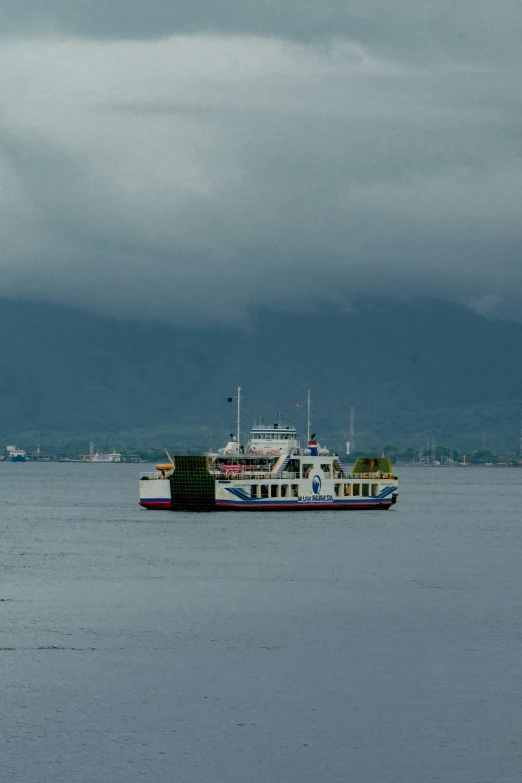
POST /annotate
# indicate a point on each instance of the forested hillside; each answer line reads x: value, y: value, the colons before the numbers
x: 411, y: 370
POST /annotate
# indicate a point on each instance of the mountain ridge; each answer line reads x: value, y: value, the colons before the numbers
x: 411, y: 370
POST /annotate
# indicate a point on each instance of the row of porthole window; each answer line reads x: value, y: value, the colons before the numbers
x: 292, y: 490
x: 273, y: 436
x: 356, y: 490
x: 274, y: 490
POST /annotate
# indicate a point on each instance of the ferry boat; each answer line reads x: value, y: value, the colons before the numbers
x: 272, y: 473
x: 16, y: 455
x: 99, y: 457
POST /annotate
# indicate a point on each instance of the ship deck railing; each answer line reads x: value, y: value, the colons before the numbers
x: 377, y: 475
x: 336, y: 475
x: 267, y: 474
x: 156, y: 474
x: 254, y: 475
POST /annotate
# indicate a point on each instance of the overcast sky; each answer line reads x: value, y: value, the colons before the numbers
x: 199, y: 159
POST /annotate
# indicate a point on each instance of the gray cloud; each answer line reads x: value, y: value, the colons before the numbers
x: 206, y: 175
x: 480, y: 29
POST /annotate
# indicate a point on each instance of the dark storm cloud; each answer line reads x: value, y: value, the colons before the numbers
x: 473, y: 27
x: 374, y: 147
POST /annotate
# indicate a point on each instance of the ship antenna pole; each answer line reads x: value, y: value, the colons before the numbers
x: 238, y: 416
x: 308, y: 423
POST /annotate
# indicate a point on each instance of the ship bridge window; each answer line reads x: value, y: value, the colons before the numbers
x: 306, y: 470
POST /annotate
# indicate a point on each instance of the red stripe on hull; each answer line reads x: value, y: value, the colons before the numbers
x: 166, y: 505
x: 222, y: 506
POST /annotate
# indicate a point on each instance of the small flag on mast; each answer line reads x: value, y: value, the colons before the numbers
x: 229, y: 399
x: 297, y: 404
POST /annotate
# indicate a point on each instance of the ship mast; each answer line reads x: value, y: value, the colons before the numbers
x: 308, y: 421
x: 238, y: 416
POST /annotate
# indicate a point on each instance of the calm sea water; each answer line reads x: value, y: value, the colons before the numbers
x: 302, y: 647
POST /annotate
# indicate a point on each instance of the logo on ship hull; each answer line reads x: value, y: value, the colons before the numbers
x: 316, y: 496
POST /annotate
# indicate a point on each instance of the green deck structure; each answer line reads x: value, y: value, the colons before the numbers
x: 372, y: 465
